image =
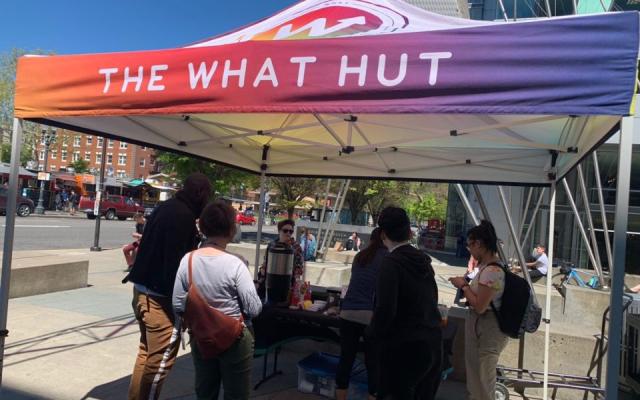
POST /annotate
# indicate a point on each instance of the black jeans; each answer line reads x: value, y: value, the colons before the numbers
x: 350, y: 334
x: 411, y: 370
x: 535, y: 275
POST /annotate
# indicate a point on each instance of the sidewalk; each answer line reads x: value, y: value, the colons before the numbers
x: 81, y: 344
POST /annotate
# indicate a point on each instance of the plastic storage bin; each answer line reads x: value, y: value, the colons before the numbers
x: 317, y: 374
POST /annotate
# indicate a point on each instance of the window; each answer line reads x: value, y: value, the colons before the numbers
x: 76, y: 141
x: 122, y: 159
x: 109, y: 158
x: 143, y: 147
x: 65, y: 140
x: 42, y: 140
x: 123, y: 145
x: 87, y: 155
x: 142, y: 162
x: 100, y: 141
x: 89, y: 139
x: 40, y: 167
x: 54, y: 154
x: 98, y: 158
x: 76, y: 156
x: 52, y: 168
x: 152, y: 161
x: 41, y: 155
x: 63, y: 156
x: 121, y: 173
x: 110, y: 143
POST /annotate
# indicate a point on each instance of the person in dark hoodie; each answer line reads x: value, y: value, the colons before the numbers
x: 169, y: 234
x: 406, y: 320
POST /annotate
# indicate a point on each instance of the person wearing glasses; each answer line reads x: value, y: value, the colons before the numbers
x: 286, y: 237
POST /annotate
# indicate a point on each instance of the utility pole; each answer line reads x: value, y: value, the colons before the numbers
x: 48, y: 137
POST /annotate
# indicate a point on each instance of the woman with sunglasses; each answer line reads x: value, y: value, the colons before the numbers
x: 285, y: 237
x: 484, y: 341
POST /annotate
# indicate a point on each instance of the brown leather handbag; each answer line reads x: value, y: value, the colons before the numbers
x: 213, y: 331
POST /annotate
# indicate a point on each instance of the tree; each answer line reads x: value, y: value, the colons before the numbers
x: 357, y: 198
x: 26, y: 154
x: 80, y: 166
x: 31, y: 131
x: 223, y: 179
x: 428, y: 201
x: 382, y: 194
x: 292, y: 191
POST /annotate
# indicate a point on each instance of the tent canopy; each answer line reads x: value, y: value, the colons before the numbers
x: 383, y: 90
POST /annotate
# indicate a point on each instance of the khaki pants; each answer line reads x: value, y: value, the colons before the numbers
x: 159, y: 343
x: 483, y: 344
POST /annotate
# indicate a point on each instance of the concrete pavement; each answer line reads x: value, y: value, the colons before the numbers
x: 81, y: 344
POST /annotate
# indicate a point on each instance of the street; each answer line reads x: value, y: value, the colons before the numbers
x: 50, y: 233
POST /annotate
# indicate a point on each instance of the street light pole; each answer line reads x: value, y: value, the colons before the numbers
x: 99, y: 192
x: 48, y: 137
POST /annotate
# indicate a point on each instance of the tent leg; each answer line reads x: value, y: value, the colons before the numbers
x: 467, y: 205
x: 547, y: 309
x: 10, y: 222
x: 619, y: 250
x: 485, y: 213
x: 592, y: 258
x: 263, y: 195
x: 605, y: 227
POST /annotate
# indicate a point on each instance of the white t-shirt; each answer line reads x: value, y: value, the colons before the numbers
x: 542, y: 263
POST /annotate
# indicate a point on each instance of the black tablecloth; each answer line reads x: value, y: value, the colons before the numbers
x: 276, y: 324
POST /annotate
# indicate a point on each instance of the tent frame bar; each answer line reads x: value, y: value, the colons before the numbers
x: 603, y: 214
x: 9, y: 231
x: 625, y: 152
x: 587, y: 209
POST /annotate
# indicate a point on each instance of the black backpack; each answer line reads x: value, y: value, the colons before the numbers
x: 519, y: 313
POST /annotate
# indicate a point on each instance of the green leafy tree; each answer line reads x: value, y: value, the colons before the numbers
x: 31, y: 131
x: 357, y: 197
x: 292, y: 191
x: 382, y: 194
x: 427, y: 201
x: 223, y: 179
x: 80, y: 166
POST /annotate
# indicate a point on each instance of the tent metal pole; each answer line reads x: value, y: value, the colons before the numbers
x: 547, y: 309
x: 485, y: 213
x: 336, y: 220
x: 324, y: 210
x: 548, y: 7
x: 533, y: 217
x: 467, y: 205
x: 514, y: 235
x: 587, y: 207
x: 582, y: 231
x: 263, y: 195
x: 331, y: 220
x: 603, y: 213
x: 10, y: 223
x: 625, y: 151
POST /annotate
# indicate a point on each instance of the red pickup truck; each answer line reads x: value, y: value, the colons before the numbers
x: 112, y: 206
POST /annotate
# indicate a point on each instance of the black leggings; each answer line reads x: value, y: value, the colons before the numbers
x: 350, y: 334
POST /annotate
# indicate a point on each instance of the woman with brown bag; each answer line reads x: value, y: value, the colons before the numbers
x: 214, y: 292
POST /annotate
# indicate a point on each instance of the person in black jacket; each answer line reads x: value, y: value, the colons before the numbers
x: 406, y: 320
x: 169, y: 234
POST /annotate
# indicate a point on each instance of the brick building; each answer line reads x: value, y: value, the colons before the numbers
x: 123, y: 160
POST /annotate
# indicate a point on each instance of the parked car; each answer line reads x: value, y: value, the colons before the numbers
x: 112, y: 207
x: 245, y: 218
x: 24, y: 205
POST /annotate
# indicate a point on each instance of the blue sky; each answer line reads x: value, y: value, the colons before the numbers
x: 92, y: 26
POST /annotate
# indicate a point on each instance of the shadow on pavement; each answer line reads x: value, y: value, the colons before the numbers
x: 7, y: 393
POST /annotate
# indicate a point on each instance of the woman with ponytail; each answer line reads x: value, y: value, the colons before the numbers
x: 484, y: 341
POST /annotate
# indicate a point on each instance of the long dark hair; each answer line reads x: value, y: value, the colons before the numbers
x: 485, y: 233
x: 366, y: 255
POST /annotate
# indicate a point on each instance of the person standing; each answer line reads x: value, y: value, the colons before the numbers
x: 224, y: 282
x: 308, y: 245
x: 540, y: 266
x: 406, y: 320
x: 356, y: 313
x: 484, y: 341
x: 73, y: 201
x: 170, y: 232
x: 286, y: 239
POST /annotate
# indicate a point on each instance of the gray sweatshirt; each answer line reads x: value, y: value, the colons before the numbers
x: 223, y: 281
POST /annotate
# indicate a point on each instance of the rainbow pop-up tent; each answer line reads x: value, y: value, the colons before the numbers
x: 358, y: 89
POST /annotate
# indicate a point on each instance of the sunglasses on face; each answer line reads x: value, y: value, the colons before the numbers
x: 289, y: 231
